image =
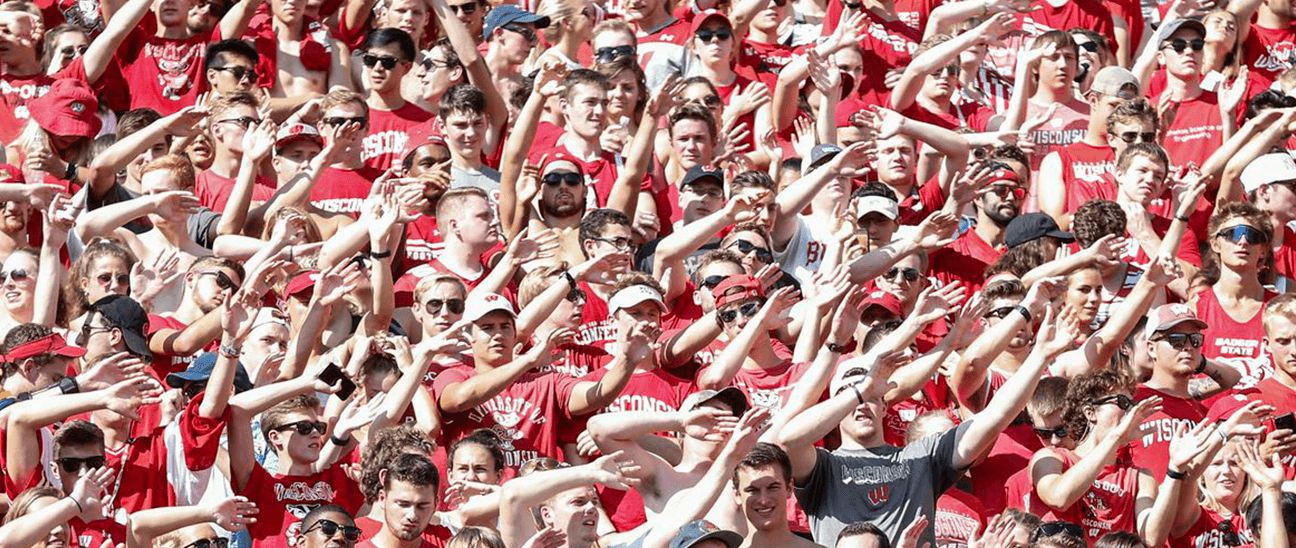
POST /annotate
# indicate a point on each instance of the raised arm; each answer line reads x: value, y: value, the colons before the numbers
x: 721, y: 373
x: 797, y: 196
x: 461, y: 40
x: 668, y: 260
x: 104, y: 46
x: 969, y: 378
x: 235, y: 22
x: 477, y: 389
x: 939, y: 56
x: 517, y: 497
x: 85, y: 500
x: 635, y: 347
x: 231, y: 514
x: 257, y: 144
x: 58, y: 220
x: 245, y: 406
x: 1058, y: 488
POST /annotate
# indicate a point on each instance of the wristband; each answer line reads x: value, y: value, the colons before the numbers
x: 842, y: 348
x: 859, y: 397
x: 80, y: 510
x: 1025, y: 312
x: 68, y: 385
x: 1175, y: 474
x: 339, y: 442
x: 229, y: 351
x: 71, y: 172
x: 383, y: 255
x: 1184, y: 219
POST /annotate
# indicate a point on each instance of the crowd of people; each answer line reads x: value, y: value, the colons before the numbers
x: 647, y: 274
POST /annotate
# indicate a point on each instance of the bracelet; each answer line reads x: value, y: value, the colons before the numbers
x: 842, y: 348
x: 1184, y: 219
x: 1175, y: 474
x: 339, y: 442
x: 80, y: 510
x: 71, y: 172
x: 229, y: 351
x: 859, y: 397
x: 1025, y: 312
x: 383, y: 255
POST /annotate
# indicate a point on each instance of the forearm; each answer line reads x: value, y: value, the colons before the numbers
x: 680, y: 348
x: 785, y: 98
x: 1154, y: 524
x: 45, y: 308
x: 627, y: 426
x: 191, y: 339
x: 235, y: 21
x: 35, y: 526
x: 597, y: 395
x: 1057, y: 267
x: 259, y: 399
x: 874, y: 263
x: 479, y: 388
x: 826, y: 120
x: 498, y: 278
x: 721, y: 372
x: 103, y: 221
x: 146, y: 525
x: 624, y: 196
x: 947, y: 142
x: 220, y: 386
x: 542, y: 306
x: 1273, y: 527
x: 301, y: 347
x: 909, y: 379
x: 344, y: 244
x: 946, y: 16
x: 237, y: 247
x: 515, y: 150
x: 974, y: 364
x: 384, y: 294
x: 517, y: 496
x: 687, y: 239
x: 1060, y: 491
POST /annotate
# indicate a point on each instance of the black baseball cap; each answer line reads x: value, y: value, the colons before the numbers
x: 1033, y: 226
x: 700, y: 530
x: 821, y: 154
x: 124, y: 313
x: 701, y: 173
x: 201, y: 370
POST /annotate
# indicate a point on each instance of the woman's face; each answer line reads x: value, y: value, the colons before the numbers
x: 435, y: 311
x: 19, y: 282
x: 107, y: 275
x: 702, y: 94
x: 1221, y: 27
x: 66, y: 48
x: 473, y: 462
x: 58, y: 536
x: 713, y: 42
x: 1224, y: 479
x: 1237, y: 252
x: 623, y: 95
x: 1084, y: 294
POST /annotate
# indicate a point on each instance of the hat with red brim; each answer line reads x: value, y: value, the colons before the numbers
x: 49, y: 344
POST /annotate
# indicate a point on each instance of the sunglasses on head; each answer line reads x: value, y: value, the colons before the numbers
x: 217, y: 542
x: 243, y: 121
x: 1235, y: 234
x: 910, y: 274
x: 1049, y: 433
x: 340, y: 120
x: 455, y: 306
x: 72, y: 465
x: 223, y: 280
x: 1131, y: 136
x: 106, y: 278
x: 17, y: 275
x: 749, y: 309
x: 528, y: 33
x: 707, y: 35
x: 1179, y: 44
x: 610, y: 53
x: 1181, y: 341
x: 329, y: 528
x: 746, y: 248
x: 1050, y: 528
x: 559, y: 177
x: 304, y: 427
x: 239, y: 73
x: 1120, y: 400
x: 388, y: 62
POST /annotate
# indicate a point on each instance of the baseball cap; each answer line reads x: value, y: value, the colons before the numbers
x: 821, y: 154
x: 1113, y: 80
x: 1226, y: 406
x: 885, y: 300
x: 201, y: 370
x: 126, y: 314
x: 10, y: 173
x: 301, y: 281
x: 848, y: 372
x: 701, y: 173
x: 420, y: 136
x: 295, y: 132
x: 1167, y: 316
x: 509, y: 13
x: 878, y: 204
x: 1033, y: 226
x: 730, y: 395
x: 1168, y: 29
x: 736, y: 288
x: 633, y: 295
x: 1268, y: 169
x: 478, y: 306
x: 709, y: 15
x: 700, y: 530
x: 52, y: 343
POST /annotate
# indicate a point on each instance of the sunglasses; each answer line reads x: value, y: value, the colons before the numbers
x: 107, y: 278
x: 1181, y: 341
x: 388, y: 62
x: 217, y: 542
x: 72, y: 465
x: 910, y: 274
x: 70, y: 51
x: 1001, y: 312
x: 1049, y: 433
x: 746, y: 248
x: 711, y: 281
x: 303, y: 427
x: 222, y: 279
x: 611, y: 53
x: 1121, y: 400
x: 429, y: 64
x: 1230, y: 534
x: 1091, y: 47
x: 780, y: 3
x: 1130, y: 136
x: 341, y: 120
x: 527, y: 33
x: 949, y: 70
x: 330, y: 528
x: 556, y: 178
x: 17, y: 275
x: 192, y: 389
x: 243, y: 121
x: 1050, y: 528
x: 1253, y: 235
x: 710, y: 101
x: 466, y: 9
x: 750, y: 309
x: 455, y: 306
x: 1004, y: 191
x: 707, y: 35
x: 1179, y: 44
x: 239, y: 73
x: 540, y: 464
x: 576, y: 295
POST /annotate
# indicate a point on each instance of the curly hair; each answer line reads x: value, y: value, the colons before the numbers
x: 1088, y: 387
x: 1095, y: 219
x: 383, y: 449
x: 1021, y: 259
x: 1210, y: 270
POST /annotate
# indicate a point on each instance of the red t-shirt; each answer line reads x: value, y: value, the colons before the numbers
x: 405, y: 285
x: 344, y: 190
x: 959, y: 515
x: 912, y: 12
x: 668, y: 41
x: 1237, y: 344
x: 1085, y: 14
x: 1197, y: 130
x: 147, y: 480
x: 1269, y: 51
x: 1206, y: 531
x: 1107, y: 506
x: 284, y: 500
x: 434, y: 535
x: 527, y: 414
x: 213, y: 191
x: 1082, y: 161
x: 166, y: 364
x: 96, y: 533
x: 917, y: 206
x: 765, y: 61
x: 1152, y: 449
x: 423, y: 241
x: 886, y: 45
x: 597, y: 326
x: 1285, y: 256
x: 770, y: 388
x: 965, y: 260
x: 1011, y: 452
x: 1067, y: 125
x: 15, y: 91
x: 577, y: 360
x: 389, y: 133
x: 164, y: 74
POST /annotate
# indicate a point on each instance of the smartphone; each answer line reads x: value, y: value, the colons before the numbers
x: 332, y: 375
x: 1285, y: 422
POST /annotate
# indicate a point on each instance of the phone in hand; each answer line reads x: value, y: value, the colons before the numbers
x: 332, y: 375
x: 1285, y: 422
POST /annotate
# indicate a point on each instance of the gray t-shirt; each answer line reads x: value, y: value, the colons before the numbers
x: 887, y: 486
x: 487, y: 179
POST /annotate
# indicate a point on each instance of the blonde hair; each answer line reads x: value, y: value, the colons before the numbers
x: 427, y: 283
x: 557, y: 11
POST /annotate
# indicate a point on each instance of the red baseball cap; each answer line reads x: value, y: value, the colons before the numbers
x: 422, y: 135
x: 1226, y: 406
x: 68, y: 109
x: 709, y: 15
x: 52, y: 343
x: 885, y: 300
x: 1167, y: 316
x: 10, y: 173
x: 736, y: 289
x: 560, y: 156
x: 301, y: 281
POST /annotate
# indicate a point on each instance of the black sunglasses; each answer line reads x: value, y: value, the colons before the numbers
x: 527, y: 33
x: 330, y: 528
x: 340, y: 120
x: 1048, y: 433
x: 72, y: 464
x: 1179, y: 44
x: 217, y: 542
x: 304, y: 427
x: 1121, y: 400
x: 87, y: 330
x: 1253, y: 235
x: 559, y: 177
x: 467, y: 9
x: 244, y: 121
x: 707, y: 35
x: 1181, y: 341
x: 388, y: 62
x: 750, y: 309
x: 910, y: 274
x: 222, y: 279
x: 1130, y: 136
x: 239, y: 72
x: 1230, y: 534
x: 746, y: 248
x: 1001, y: 312
x: 576, y: 295
x: 609, y: 54
x: 192, y: 389
x: 1050, y: 528
x: 455, y: 306
x: 710, y: 282
x: 1091, y: 47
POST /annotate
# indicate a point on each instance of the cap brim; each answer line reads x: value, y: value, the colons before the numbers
x: 704, y: 179
x: 730, y: 538
x: 178, y: 380
x: 1200, y: 324
x: 1066, y: 237
x: 732, y: 396
x: 137, y: 344
x: 69, y: 351
x: 474, y: 317
x: 280, y: 144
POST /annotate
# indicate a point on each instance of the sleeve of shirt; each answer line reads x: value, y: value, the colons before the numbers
x: 447, y: 378
x: 564, y: 386
x: 202, y: 227
x: 811, y: 495
x: 941, y: 454
x: 201, y: 435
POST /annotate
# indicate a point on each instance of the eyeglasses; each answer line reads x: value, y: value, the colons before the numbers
x: 1181, y: 341
x: 746, y: 248
x: 707, y: 35
x: 466, y: 9
x: 1050, y: 528
x: 1120, y: 400
x: 710, y: 101
x: 192, y: 389
x: 559, y: 177
x: 1130, y: 136
x: 748, y: 310
x: 1179, y: 44
x: 70, y: 51
x: 1004, y: 191
x: 244, y: 121
x: 217, y: 542
x: 455, y: 306
x: 609, y: 54
x: 527, y: 33
x: 329, y: 528
x: 106, y: 278
x: 1091, y: 46
x: 711, y: 281
x: 1001, y: 312
x: 576, y: 295
x: 1049, y: 433
x: 72, y: 464
x: 303, y: 427
x: 239, y: 73
x: 388, y: 62
x: 949, y: 71
x: 620, y: 242
x: 87, y: 330
x: 910, y: 274
x: 17, y: 275
x: 707, y: 191
x: 222, y: 279
x: 341, y: 120
x: 1235, y: 234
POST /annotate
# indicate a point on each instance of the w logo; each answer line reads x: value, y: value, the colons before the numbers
x: 879, y: 495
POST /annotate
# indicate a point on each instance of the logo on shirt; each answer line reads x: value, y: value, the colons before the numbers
x: 1278, y: 57
x: 299, y: 490
x: 173, y: 64
x: 383, y: 142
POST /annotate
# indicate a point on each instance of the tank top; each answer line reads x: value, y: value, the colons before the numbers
x: 1238, y: 344
x: 1107, y: 506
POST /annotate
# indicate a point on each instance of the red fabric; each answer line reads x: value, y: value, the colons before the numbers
x: 916, y: 207
x: 765, y: 60
x: 165, y: 74
x: 965, y: 260
x: 1269, y: 51
x: 404, y: 286
x: 669, y: 41
x: 165, y: 364
x: 213, y: 191
x: 422, y: 242
x: 1082, y: 161
x: 15, y: 91
x: 770, y: 387
x: 144, y: 481
x: 597, y: 327
x: 95, y: 533
x: 1234, y: 343
x: 600, y: 173
x: 527, y: 415
x: 1085, y: 14
x: 1107, y: 506
x: 1152, y: 449
x: 934, y: 396
x: 1285, y: 255
x: 344, y: 190
x: 284, y: 500
x: 388, y: 134
x: 433, y: 536
x: 885, y: 44
x: 959, y: 515
x: 1131, y: 11
x: 1273, y: 392
x: 1196, y: 132
x: 913, y: 13
x: 577, y: 361
x: 1010, y: 453
x: 1206, y: 530
x: 1068, y: 125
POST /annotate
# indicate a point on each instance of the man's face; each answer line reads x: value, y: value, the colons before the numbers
x: 493, y: 337
x: 701, y: 198
x: 476, y: 225
x: 752, y: 247
x: 294, y: 158
x: 1278, y: 199
x: 1059, y: 69
x: 67, y: 47
x: 204, y: 15
x: 865, y: 422
x: 1001, y: 308
x: 407, y: 15
x: 515, y: 41
x: 1090, y: 61
x: 895, y: 160
x: 850, y: 62
x: 208, y: 286
x: 1050, y: 422
x: 1143, y: 181
x: 429, y: 166
x: 337, y: 116
x: 157, y: 182
x: 437, y: 76
x: 316, y: 537
x: 1135, y: 130
x: 762, y: 494
x: 1181, y: 63
x: 715, y: 50
x: 904, y: 280
x: 766, y: 210
x: 434, y: 311
x: 639, y: 10
x: 302, y: 448
x: 646, y: 311
x: 879, y: 229
x: 407, y: 508
x: 939, y: 86
x: 564, y: 199
x: 98, y: 336
x: 19, y: 33
x: 464, y: 132
x: 709, y: 276
x: 574, y: 511
x: 616, y: 238
x: 195, y: 533
x: 267, y: 339
x: 81, y: 457
x: 586, y: 111
x: 13, y: 218
x: 1003, y: 201
x: 224, y: 76
x: 1179, y: 360
x: 1101, y: 106
x: 378, y: 76
x: 471, y: 12
x: 173, y: 13
x: 288, y: 11
x: 229, y: 128
x: 692, y: 142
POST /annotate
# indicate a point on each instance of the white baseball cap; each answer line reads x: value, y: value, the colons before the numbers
x: 878, y: 204
x: 1268, y: 169
x: 478, y: 306
x: 634, y: 295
